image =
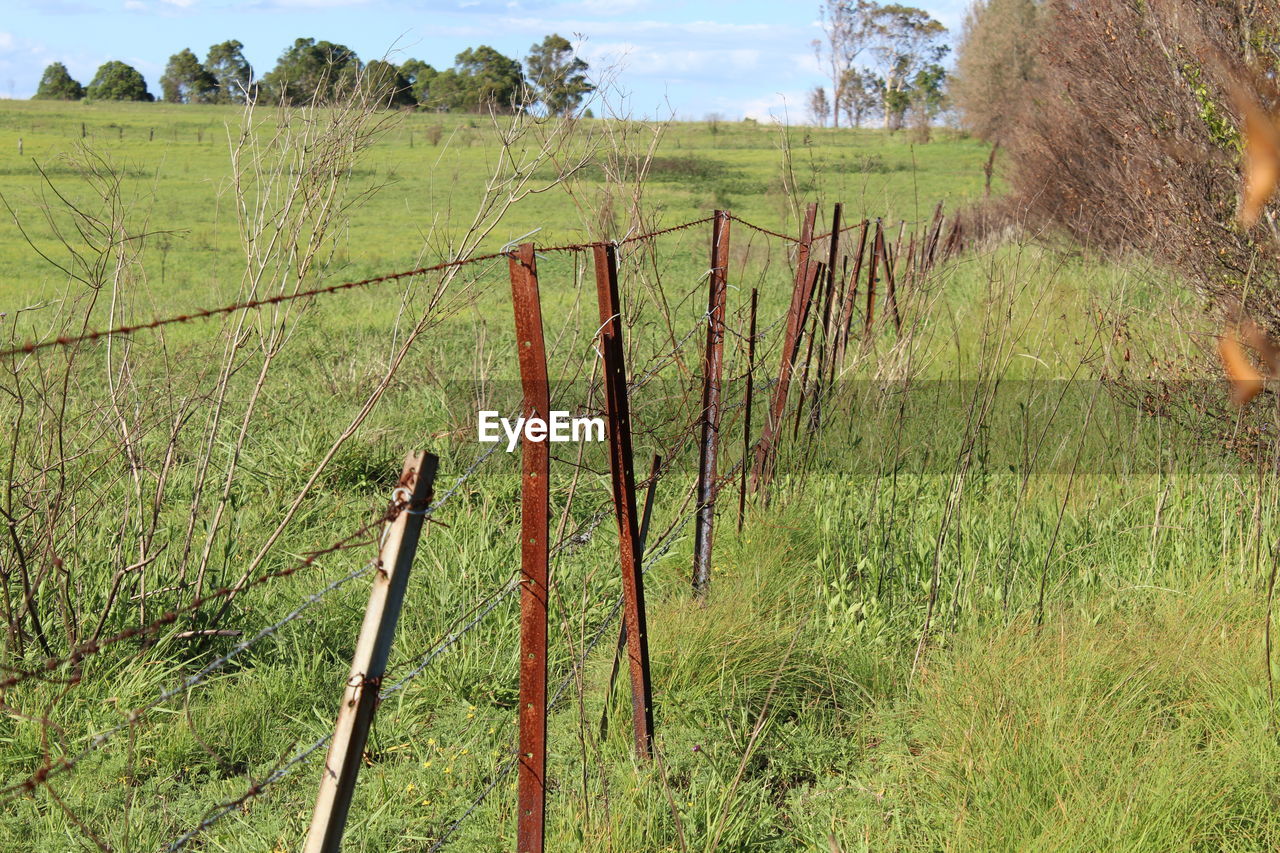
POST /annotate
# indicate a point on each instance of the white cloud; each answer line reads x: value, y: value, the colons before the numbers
x: 667, y: 62
x: 631, y: 29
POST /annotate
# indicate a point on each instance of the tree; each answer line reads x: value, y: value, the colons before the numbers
x: 419, y: 75
x: 311, y: 72
x: 558, y: 75
x: 860, y: 94
x: 56, y: 84
x: 929, y: 90
x: 383, y: 82
x: 231, y: 71
x: 996, y: 63
x: 908, y: 40
x: 185, y: 80
x: 850, y: 28
x: 116, y: 81
x: 819, y: 106
x: 492, y: 81
x: 449, y: 90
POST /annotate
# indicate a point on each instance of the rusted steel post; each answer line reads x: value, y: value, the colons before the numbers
x: 369, y: 662
x: 819, y: 280
x: 826, y: 352
x: 911, y: 264
x: 899, y: 264
x: 618, y: 409
x: 851, y: 295
x: 760, y: 470
x: 955, y: 239
x: 622, y: 630
x: 535, y: 492
x: 931, y: 241
x: 877, y: 256
x: 746, y: 417
x: 890, y: 278
x: 713, y: 368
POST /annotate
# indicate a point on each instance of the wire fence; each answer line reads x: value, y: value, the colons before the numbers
x: 685, y: 418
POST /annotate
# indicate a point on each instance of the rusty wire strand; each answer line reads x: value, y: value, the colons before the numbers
x: 251, y: 304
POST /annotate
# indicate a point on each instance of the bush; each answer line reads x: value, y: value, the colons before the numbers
x: 1129, y: 142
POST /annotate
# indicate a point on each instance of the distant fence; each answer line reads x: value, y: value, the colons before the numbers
x: 846, y: 281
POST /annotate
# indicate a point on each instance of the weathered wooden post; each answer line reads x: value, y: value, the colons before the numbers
x: 369, y: 663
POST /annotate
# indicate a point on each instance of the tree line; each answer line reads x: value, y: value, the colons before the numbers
x: 881, y: 59
x: 552, y: 77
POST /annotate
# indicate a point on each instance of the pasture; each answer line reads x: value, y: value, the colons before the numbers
x: 1091, y: 672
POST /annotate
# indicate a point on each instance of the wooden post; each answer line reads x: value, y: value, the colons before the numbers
x: 760, y: 470
x: 624, y: 494
x: 712, y: 371
x: 368, y: 664
x: 535, y: 500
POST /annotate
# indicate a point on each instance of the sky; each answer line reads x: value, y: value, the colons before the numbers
x: 735, y: 58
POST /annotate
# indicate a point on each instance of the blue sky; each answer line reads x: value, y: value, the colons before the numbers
x: 733, y: 57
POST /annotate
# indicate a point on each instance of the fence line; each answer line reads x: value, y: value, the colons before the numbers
x: 251, y: 304
x: 482, y: 608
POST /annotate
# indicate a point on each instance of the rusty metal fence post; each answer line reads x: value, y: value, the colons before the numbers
x: 621, y: 464
x: 712, y: 370
x: 891, y: 289
x: 877, y: 256
x: 535, y: 497
x: 369, y: 662
x: 826, y: 353
x: 761, y: 469
x: 746, y: 417
x: 851, y: 296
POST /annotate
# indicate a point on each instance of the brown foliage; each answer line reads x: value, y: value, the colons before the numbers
x: 1132, y: 141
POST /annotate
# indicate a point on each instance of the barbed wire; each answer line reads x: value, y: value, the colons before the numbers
x: 288, y: 766
x: 482, y: 609
x: 763, y: 230
x: 90, y: 648
x: 507, y: 767
x: 252, y: 304
x: 64, y: 765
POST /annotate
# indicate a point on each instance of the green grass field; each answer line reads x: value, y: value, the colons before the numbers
x: 1094, y: 673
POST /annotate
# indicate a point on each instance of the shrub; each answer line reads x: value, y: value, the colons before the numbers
x: 1129, y: 142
